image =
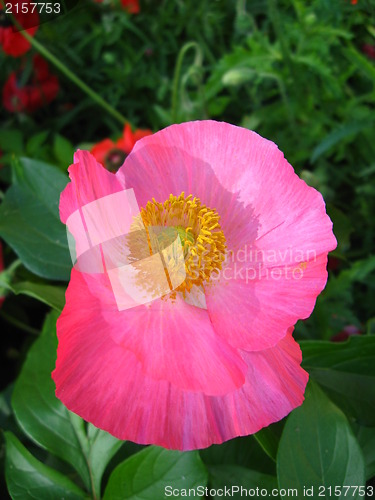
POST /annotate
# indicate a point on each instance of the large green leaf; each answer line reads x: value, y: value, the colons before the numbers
x: 147, y: 475
x: 29, y: 219
x: 232, y: 480
x: 46, y: 420
x: 7, y: 421
x: 318, y: 449
x: 39, y: 413
x: 268, y: 438
x: 63, y: 150
x: 53, y: 296
x: 102, y: 447
x: 346, y: 371
x: 245, y: 451
x: 27, y: 478
x: 366, y: 439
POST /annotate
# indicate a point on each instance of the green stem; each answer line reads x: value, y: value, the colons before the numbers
x: 14, y: 265
x: 176, y: 77
x: 275, y: 20
x: 7, y: 274
x: 69, y: 74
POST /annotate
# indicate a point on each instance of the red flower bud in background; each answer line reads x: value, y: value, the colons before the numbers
x: 39, y: 91
x: 132, y: 6
x: 345, y: 333
x: 12, y: 41
x: 112, y: 154
x: 369, y: 50
x: 333, y: 263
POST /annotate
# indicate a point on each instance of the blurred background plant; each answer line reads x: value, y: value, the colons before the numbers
x: 301, y: 74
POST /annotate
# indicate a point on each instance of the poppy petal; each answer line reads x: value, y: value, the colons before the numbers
x: 106, y: 385
x: 89, y: 181
x: 173, y: 341
x: 266, y: 301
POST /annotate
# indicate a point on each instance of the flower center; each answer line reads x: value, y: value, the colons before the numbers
x: 114, y: 159
x: 202, y: 239
x: 5, y: 21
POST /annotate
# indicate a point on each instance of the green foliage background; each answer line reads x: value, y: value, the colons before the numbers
x: 293, y: 71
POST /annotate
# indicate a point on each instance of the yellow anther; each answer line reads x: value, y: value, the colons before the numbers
x: 204, y: 250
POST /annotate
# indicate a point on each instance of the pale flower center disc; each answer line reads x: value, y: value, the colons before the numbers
x: 202, y: 239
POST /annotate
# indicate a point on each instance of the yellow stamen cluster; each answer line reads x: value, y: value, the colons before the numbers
x: 201, y: 236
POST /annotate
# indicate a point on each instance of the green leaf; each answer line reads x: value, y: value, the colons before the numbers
x: 164, y: 116
x: 102, y: 447
x: 147, y: 474
x: 35, y: 143
x: 53, y: 296
x: 370, y: 326
x: 11, y: 140
x: 63, y: 151
x: 359, y: 270
x: 5, y: 408
x: 341, y: 226
x: 29, y: 219
x: 245, y: 451
x: 268, y: 438
x: 39, y: 413
x: 346, y: 131
x: 366, y: 439
x: 230, y: 479
x: 318, y: 448
x: 46, y: 420
x: 362, y: 63
x: 346, y: 371
x: 7, y: 421
x: 27, y: 478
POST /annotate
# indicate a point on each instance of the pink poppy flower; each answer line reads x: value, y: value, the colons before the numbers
x: 214, y: 358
